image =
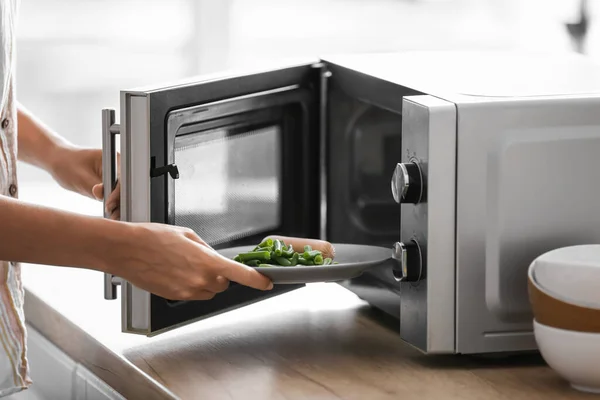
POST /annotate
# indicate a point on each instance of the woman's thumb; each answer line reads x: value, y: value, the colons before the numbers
x: 98, y: 190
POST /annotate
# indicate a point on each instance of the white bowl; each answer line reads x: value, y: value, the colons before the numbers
x: 570, y: 274
x: 575, y: 356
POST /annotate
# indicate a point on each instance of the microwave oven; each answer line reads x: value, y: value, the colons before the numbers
x: 467, y: 165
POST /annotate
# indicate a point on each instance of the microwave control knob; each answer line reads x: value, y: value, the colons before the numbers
x: 409, y: 262
x: 407, y: 185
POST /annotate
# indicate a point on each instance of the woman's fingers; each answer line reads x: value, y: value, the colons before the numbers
x: 98, y: 191
x: 219, y: 285
x: 203, y: 295
x: 113, y: 203
x: 242, y: 274
x: 114, y: 200
x: 116, y: 215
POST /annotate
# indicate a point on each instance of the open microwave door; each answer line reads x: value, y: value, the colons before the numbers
x: 233, y: 158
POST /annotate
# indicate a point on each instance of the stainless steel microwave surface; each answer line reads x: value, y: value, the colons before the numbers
x: 493, y: 158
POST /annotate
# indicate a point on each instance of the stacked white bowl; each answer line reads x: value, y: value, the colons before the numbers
x: 564, y: 290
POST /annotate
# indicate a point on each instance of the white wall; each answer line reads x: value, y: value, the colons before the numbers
x: 75, y: 55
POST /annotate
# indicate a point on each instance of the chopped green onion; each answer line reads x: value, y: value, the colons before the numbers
x: 277, y: 253
x: 277, y: 247
x: 309, y: 255
x: 302, y: 261
x: 255, y: 255
x: 294, y: 259
x: 266, y: 243
x: 289, y: 252
x: 253, y: 263
x: 283, y: 261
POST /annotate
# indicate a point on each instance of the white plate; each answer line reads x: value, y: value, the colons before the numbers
x: 352, y: 261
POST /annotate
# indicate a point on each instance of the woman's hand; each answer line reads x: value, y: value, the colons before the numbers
x: 174, y: 263
x: 80, y: 170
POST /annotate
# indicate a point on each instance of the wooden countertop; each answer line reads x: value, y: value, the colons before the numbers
x: 319, y: 342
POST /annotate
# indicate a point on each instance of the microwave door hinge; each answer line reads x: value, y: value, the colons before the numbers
x: 170, y: 169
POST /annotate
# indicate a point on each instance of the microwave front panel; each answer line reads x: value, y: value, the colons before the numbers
x: 233, y: 159
x: 427, y: 306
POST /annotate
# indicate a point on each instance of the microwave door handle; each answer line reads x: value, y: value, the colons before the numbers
x: 109, y: 180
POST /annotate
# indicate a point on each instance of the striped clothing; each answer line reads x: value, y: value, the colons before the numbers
x: 14, y: 369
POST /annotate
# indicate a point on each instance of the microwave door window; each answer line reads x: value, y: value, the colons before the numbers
x: 230, y: 183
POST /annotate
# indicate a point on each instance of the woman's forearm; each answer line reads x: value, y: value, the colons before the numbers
x: 37, y: 143
x: 41, y: 235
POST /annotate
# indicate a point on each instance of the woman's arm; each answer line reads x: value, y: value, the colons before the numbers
x: 74, y: 168
x: 42, y: 235
x: 38, y: 144
x: 169, y: 261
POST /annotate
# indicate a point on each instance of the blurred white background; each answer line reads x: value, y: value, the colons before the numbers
x: 75, y: 55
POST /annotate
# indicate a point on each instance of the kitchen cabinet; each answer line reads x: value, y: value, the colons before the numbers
x: 88, y: 386
x: 57, y: 376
